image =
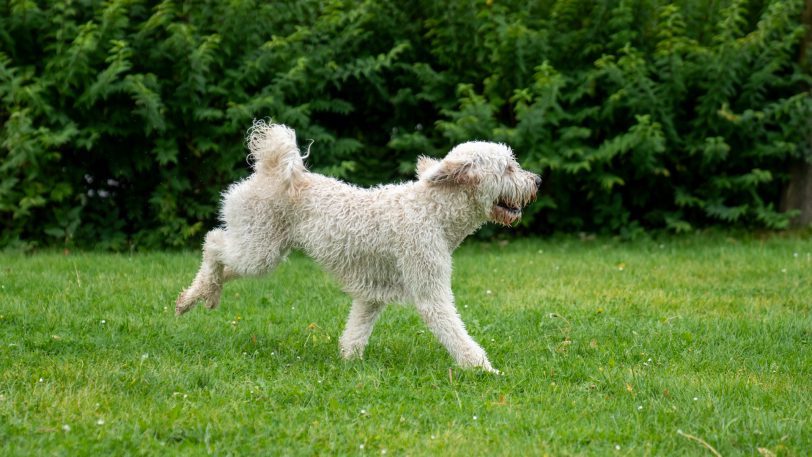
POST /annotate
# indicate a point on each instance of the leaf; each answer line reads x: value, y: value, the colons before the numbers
x: 55, y: 232
x: 166, y: 151
x: 148, y: 102
x: 608, y: 181
x: 718, y: 210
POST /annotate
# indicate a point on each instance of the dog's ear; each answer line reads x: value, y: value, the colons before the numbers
x: 424, y: 164
x: 450, y: 172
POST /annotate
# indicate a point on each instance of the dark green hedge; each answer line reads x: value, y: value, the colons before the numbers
x: 122, y: 121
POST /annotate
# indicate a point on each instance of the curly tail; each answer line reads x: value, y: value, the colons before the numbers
x: 273, y: 149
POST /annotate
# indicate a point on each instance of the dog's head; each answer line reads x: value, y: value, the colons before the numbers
x: 490, y: 173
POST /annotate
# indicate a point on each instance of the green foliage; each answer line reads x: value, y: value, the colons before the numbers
x: 655, y: 125
x: 123, y: 120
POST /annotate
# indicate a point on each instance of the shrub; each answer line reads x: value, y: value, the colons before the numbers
x: 122, y: 120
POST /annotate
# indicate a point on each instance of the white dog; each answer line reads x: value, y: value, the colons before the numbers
x: 390, y: 243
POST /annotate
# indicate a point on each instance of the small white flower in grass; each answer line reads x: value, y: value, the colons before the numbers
x: 363, y: 412
x: 383, y: 451
x: 41, y: 380
x: 640, y: 408
x: 100, y: 421
x: 696, y: 398
x: 144, y: 356
x: 464, y: 306
x: 617, y: 447
x: 103, y: 322
x: 795, y: 254
x: 361, y: 446
x: 433, y: 437
x: 783, y: 270
x: 488, y: 292
x: 475, y: 418
x: 65, y: 428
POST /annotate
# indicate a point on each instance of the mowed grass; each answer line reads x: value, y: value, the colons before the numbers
x: 608, y: 348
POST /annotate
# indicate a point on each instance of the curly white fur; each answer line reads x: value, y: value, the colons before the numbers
x: 390, y: 243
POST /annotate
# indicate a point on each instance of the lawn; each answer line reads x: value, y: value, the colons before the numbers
x: 667, y: 346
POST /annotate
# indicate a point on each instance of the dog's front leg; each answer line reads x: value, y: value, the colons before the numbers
x: 443, y: 320
x: 363, y: 315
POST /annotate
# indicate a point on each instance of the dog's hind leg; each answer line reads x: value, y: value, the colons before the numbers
x: 208, y: 283
x: 363, y: 315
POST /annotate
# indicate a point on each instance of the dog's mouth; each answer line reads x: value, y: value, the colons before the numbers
x: 510, y: 207
x: 505, y: 212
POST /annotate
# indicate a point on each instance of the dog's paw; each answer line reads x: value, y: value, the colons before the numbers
x: 180, y: 310
x: 486, y: 366
x: 493, y: 370
x: 213, y: 300
x: 183, y: 304
x: 352, y: 352
x: 475, y: 357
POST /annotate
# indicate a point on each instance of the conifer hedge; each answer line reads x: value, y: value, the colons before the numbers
x: 123, y: 120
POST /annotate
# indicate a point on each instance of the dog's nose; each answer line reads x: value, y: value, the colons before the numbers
x: 538, y: 182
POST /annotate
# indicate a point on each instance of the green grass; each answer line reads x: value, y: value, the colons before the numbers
x: 609, y: 348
